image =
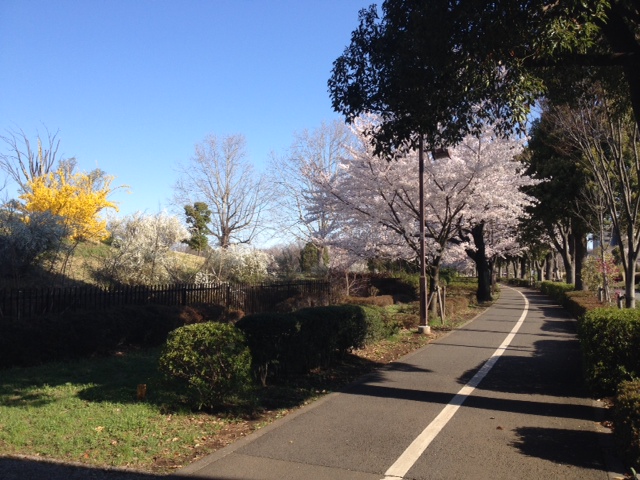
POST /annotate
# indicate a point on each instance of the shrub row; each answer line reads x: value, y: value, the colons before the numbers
x: 283, y: 343
x: 82, y: 334
x: 626, y: 420
x: 516, y: 282
x: 610, y: 338
x: 556, y: 290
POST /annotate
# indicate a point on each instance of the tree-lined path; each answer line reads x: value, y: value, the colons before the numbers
x: 528, y: 417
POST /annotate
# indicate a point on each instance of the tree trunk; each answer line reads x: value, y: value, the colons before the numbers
x: 479, y: 256
x: 580, y: 252
x: 569, y: 269
x: 548, y: 267
x: 630, y: 268
x: 434, y: 282
x: 630, y: 287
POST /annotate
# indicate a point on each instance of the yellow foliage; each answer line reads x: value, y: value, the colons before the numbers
x: 78, y: 198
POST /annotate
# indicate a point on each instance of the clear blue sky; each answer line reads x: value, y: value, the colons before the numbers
x: 133, y: 85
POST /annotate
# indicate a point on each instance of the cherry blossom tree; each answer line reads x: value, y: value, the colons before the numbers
x: 472, y: 192
x: 491, y: 216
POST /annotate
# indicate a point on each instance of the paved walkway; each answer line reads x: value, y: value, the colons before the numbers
x: 500, y: 398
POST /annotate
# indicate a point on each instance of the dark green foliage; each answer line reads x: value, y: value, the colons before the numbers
x: 272, y: 339
x: 80, y: 334
x: 211, y: 361
x: 626, y: 422
x: 198, y: 217
x: 556, y: 290
x: 448, y: 275
x: 610, y: 338
x: 312, y: 337
x: 403, y: 287
x: 517, y: 282
x: 311, y: 258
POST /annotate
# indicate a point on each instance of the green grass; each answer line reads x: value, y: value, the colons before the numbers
x: 88, y: 412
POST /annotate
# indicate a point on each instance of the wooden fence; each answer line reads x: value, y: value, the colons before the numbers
x: 265, y: 297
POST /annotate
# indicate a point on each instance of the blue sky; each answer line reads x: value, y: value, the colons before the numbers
x: 132, y: 85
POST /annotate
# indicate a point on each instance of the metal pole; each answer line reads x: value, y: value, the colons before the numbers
x: 423, y: 327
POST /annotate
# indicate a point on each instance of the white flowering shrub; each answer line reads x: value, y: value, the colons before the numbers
x: 141, y: 252
x: 237, y: 263
x: 28, y: 241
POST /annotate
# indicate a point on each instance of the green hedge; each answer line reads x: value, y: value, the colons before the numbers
x: 610, y: 338
x: 626, y: 419
x: 556, y: 290
x: 516, y: 282
x: 81, y: 334
x: 297, y: 342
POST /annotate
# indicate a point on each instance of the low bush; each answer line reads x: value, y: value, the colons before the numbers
x: 610, y: 338
x: 626, y: 422
x: 578, y: 303
x: 517, y: 282
x: 271, y: 338
x: 210, y: 361
x: 283, y: 343
x: 556, y: 290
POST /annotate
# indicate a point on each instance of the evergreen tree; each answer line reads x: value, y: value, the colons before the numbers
x: 198, y: 217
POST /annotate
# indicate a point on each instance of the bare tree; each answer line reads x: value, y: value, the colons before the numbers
x: 312, y: 153
x: 220, y: 175
x: 24, y: 161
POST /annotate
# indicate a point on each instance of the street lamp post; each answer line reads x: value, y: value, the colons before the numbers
x: 423, y: 326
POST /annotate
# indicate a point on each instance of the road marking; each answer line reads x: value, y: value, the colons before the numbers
x: 409, y: 457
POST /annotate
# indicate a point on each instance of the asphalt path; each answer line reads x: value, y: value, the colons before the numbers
x: 478, y: 411
x: 500, y: 398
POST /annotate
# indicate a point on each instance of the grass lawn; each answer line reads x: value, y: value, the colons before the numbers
x: 87, y: 412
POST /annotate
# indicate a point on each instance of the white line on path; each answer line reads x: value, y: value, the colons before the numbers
x: 422, y: 441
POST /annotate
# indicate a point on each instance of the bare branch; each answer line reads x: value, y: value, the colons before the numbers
x: 24, y: 162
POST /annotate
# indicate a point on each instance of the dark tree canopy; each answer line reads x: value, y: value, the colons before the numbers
x: 198, y: 218
x: 438, y: 68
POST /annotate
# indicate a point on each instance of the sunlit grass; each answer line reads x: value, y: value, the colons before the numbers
x: 88, y: 412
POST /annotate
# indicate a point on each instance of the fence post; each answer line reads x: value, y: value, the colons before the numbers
x: 184, y: 295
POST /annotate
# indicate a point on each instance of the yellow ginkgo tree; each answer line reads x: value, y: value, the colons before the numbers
x: 77, y: 198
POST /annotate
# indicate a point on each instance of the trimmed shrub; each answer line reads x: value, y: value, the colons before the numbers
x: 312, y: 337
x: 210, y: 360
x: 626, y: 422
x: 556, y: 290
x: 610, y: 339
x: 578, y: 303
x: 271, y: 338
x: 517, y: 282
